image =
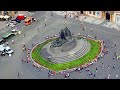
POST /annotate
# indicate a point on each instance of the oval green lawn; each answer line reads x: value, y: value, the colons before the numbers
x: 93, y: 52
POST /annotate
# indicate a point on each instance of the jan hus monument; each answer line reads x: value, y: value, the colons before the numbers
x: 64, y: 42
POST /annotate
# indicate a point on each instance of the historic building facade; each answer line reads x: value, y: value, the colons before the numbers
x: 109, y: 15
x: 10, y: 13
x: 106, y: 15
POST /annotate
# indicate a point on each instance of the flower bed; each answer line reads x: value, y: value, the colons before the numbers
x: 84, y: 61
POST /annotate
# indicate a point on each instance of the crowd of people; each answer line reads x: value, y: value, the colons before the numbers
x: 66, y: 73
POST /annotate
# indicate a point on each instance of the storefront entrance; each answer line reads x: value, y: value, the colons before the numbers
x: 108, y: 16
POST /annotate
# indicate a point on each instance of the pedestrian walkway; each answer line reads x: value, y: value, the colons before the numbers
x: 91, y: 20
x: 82, y: 17
x: 98, y: 21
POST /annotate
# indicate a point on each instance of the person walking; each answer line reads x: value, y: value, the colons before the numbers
x: 18, y: 75
x: 12, y: 41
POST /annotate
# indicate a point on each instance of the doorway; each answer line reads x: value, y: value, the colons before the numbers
x: 81, y: 12
x: 108, y: 16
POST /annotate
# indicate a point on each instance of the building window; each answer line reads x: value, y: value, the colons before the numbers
x: 93, y: 12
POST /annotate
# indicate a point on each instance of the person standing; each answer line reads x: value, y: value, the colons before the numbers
x: 18, y: 75
x: 102, y: 66
x: 22, y: 60
x: 51, y: 13
x: 117, y: 76
x: 96, y: 69
x: 114, y: 66
x: 108, y: 76
x: 95, y: 37
x: 7, y: 43
x: 91, y: 29
x: 45, y: 23
x: 24, y: 35
x: 83, y: 28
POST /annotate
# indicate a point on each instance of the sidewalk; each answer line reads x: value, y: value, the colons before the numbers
x: 91, y: 20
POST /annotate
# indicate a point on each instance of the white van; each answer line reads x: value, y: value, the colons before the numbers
x: 2, y: 47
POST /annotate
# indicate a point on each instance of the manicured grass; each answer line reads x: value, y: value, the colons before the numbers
x: 93, y: 52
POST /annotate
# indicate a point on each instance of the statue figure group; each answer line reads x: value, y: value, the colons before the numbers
x: 65, y: 36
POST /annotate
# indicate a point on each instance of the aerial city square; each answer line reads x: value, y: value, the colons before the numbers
x: 59, y: 44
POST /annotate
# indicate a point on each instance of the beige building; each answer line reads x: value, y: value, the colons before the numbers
x: 106, y: 15
x: 109, y: 15
x: 10, y: 13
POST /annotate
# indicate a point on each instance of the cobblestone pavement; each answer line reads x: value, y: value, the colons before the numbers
x: 91, y: 20
x: 10, y: 66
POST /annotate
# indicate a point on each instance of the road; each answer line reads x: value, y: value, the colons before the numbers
x: 10, y: 66
x: 37, y: 15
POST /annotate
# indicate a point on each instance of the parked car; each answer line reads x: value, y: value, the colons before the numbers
x: 16, y: 20
x: 14, y: 31
x: 8, y: 50
x: 12, y: 23
x: 20, y: 17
